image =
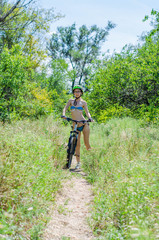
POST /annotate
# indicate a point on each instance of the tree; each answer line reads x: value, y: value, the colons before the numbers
x: 155, y: 23
x: 127, y: 84
x: 10, y: 13
x: 20, y: 96
x: 78, y: 47
x: 25, y: 23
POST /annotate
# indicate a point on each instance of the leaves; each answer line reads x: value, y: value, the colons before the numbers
x: 129, y: 80
x: 78, y: 47
x: 19, y: 95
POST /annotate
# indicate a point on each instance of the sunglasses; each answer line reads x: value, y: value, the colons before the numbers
x: 77, y: 91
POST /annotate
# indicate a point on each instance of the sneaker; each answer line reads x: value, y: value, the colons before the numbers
x: 78, y: 166
x: 66, y: 166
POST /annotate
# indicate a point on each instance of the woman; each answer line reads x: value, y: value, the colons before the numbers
x: 77, y: 105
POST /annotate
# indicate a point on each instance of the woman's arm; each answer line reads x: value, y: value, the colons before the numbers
x: 66, y: 107
x: 86, y: 110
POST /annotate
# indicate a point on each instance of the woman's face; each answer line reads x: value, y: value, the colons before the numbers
x: 77, y: 93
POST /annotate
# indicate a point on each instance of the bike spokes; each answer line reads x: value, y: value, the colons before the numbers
x: 71, y: 149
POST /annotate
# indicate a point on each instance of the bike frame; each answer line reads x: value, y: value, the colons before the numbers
x: 76, y: 123
x: 73, y: 134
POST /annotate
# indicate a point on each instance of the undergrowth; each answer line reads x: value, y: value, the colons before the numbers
x: 123, y: 167
x: 32, y: 154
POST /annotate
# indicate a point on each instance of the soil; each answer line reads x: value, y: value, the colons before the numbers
x: 69, y: 220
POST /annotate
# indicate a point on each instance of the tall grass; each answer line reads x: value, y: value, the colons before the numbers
x: 123, y: 166
x: 31, y: 156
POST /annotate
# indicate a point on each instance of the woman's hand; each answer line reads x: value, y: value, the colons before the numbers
x: 91, y: 120
x: 64, y: 117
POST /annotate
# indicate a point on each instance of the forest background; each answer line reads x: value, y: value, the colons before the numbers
x: 115, y: 85
x: 122, y: 92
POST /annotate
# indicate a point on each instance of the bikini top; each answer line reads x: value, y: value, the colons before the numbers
x: 78, y: 108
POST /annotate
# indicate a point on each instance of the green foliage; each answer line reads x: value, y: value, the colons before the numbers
x: 31, y: 156
x: 129, y: 80
x: 123, y: 167
x: 56, y: 84
x: 24, y: 87
x: 18, y: 91
x: 59, y: 74
x: 147, y: 114
x: 124, y: 84
x: 29, y: 22
x: 13, y: 81
x: 40, y: 103
x: 79, y: 47
x: 155, y: 23
x: 113, y: 111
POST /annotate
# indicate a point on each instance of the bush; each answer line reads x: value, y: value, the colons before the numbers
x: 114, y: 111
x: 20, y: 96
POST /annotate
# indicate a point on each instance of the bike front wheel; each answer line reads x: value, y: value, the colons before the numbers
x: 71, y: 150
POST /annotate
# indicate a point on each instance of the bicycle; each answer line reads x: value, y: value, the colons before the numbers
x: 72, y: 143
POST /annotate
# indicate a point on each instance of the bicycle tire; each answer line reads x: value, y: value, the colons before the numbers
x: 71, y: 150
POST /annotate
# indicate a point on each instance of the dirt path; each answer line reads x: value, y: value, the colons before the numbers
x: 69, y: 219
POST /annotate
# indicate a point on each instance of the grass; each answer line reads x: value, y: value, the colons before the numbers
x: 32, y: 154
x: 123, y: 167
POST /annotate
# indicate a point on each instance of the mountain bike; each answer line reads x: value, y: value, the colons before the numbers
x: 72, y: 142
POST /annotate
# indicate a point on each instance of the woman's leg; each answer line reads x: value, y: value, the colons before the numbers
x: 78, y: 148
x: 86, y: 132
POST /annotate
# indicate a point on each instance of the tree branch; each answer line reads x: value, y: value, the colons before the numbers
x: 2, y: 19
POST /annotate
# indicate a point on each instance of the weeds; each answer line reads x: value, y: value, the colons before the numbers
x: 32, y: 155
x: 123, y: 166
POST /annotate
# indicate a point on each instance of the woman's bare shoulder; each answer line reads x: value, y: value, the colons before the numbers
x: 70, y: 100
x: 84, y: 103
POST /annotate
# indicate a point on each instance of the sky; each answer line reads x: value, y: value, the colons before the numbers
x: 126, y: 14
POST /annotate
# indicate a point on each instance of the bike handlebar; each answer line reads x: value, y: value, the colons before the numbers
x: 77, y: 121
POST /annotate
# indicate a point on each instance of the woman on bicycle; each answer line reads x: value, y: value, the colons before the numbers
x: 77, y: 106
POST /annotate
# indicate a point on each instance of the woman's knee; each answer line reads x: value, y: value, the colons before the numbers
x: 86, y: 142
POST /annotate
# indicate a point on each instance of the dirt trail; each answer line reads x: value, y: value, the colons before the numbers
x: 69, y: 219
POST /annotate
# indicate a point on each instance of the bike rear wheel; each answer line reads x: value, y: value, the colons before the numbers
x: 71, y: 150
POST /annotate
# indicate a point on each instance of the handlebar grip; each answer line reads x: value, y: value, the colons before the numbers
x: 68, y: 119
